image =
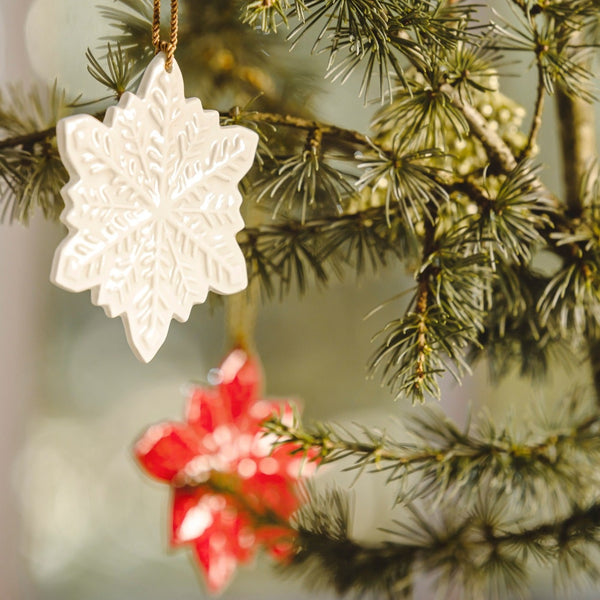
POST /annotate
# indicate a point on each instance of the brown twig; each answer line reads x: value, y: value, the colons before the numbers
x: 536, y: 122
x: 579, y: 149
x: 326, y: 130
x: 28, y: 139
x: 578, y: 143
x: 499, y: 153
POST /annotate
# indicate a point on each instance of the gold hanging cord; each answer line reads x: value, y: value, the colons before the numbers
x: 161, y: 45
x: 240, y: 316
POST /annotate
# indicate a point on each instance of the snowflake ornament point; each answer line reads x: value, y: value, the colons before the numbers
x: 152, y: 207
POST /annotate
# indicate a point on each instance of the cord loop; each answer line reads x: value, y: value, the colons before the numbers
x: 168, y: 47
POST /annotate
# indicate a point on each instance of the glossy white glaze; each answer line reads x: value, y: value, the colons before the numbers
x: 152, y: 207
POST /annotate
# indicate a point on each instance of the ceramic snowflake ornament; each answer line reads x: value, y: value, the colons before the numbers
x: 152, y: 207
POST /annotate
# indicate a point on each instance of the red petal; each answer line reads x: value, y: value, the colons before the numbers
x: 241, y: 382
x: 166, y: 448
x: 227, y: 542
x: 205, y: 411
x: 271, y: 492
x: 218, y: 567
x: 184, y: 500
x: 279, y: 541
x: 231, y: 401
x: 264, y: 409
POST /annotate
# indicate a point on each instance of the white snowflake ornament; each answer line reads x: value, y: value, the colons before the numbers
x: 152, y: 207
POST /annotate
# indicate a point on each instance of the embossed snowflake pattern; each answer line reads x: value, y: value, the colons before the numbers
x: 152, y: 207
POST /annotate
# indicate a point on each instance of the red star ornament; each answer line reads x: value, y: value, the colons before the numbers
x: 233, y: 489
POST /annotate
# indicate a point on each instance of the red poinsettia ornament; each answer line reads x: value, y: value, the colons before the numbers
x: 233, y: 489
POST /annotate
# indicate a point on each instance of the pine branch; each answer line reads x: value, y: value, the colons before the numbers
x: 270, y: 14
x: 443, y: 318
x: 444, y: 461
x: 28, y: 140
x: 514, y: 338
x: 372, y: 34
x: 234, y: 115
x: 31, y: 173
x: 479, y: 552
x: 289, y: 251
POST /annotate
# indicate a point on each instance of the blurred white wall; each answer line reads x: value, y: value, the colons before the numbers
x: 19, y: 325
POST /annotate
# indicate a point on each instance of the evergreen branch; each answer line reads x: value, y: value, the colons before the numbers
x: 411, y: 179
x: 482, y: 554
x: 307, y: 179
x: 120, y: 72
x: 288, y: 250
x: 347, y: 565
x: 224, y: 58
x: 407, y: 350
x: 423, y: 347
x: 514, y: 336
x: 374, y: 34
x: 556, y: 46
x: 510, y: 220
x: 536, y: 122
x: 235, y: 114
x: 446, y: 461
x: 443, y: 318
x: 267, y: 14
x: 31, y: 173
x: 421, y: 113
x: 27, y: 140
x: 572, y: 296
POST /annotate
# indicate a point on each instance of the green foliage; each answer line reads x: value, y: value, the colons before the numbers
x: 31, y: 173
x: 132, y: 21
x: 480, y: 552
x: 224, y: 61
x: 510, y: 222
x: 514, y: 336
x: 562, y: 62
x: 410, y: 179
x: 417, y: 349
x: 427, y: 169
x: 267, y: 14
x: 119, y: 74
x: 441, y: 324
x: 473, y: 540
x: 550, y: 455
x: 373, y: 34
x: 287, y: 256
x: 422, y: 113
x: 306, y: 181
